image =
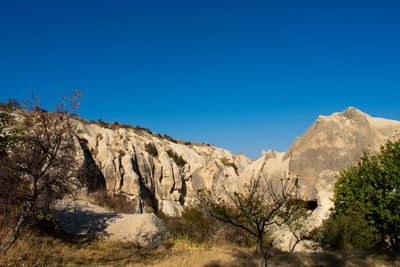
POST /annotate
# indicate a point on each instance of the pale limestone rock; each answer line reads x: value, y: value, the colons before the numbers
x: 177, y: 177
x: 171, y: 208
x: 130, y: 180
x: 84, y: 218
x: 167, y: 180
x: 145, y: 166
x: 332, y: 143
x: 159, y: 190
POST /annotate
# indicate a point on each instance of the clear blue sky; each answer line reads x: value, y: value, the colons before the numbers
x: 243, y: 75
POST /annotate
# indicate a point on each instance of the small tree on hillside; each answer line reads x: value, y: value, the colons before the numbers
x: 262, y: 204
x: 297, y: 223
x: 39, y: 161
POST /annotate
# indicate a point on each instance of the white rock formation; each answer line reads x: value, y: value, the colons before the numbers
x: 126, y: 166
x: 332, y: 143
x: 81, y: 217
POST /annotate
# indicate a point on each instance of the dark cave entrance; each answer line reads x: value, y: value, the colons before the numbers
x: 311, y: 204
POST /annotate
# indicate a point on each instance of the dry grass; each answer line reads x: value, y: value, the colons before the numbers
x: 44, y: 250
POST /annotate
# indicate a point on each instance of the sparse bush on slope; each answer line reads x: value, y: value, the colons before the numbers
x: 177, y: 158
x: 151, y: 149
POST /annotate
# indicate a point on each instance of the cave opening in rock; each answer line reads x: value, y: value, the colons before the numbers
x: 311, y: 204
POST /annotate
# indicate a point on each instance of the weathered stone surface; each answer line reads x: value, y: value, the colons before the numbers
x: 332, y: 143
x: 130, y: 181
x: 84, y: 218
x: 127, y: 167
x: 171, y: 208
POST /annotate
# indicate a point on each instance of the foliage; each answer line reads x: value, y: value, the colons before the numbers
x: 197, y: 227
x: 12, y: 187
x: 297, y: 222
x: 192, y: 225
x: 186, y: 242
x: 11, y: 104
x: 40, y: 161
x: 151, y: 149
x: 262, y: 204
x: 39, y: 249
x: 367, y: 201
x: 226, y: 162
x: 345, y: 231
x: 178, y: 159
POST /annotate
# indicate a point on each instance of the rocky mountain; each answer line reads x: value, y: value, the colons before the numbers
x: 157, y: 170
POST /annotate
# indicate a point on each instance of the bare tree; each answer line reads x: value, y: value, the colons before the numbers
x: 262, y: 204
x: 41, y: 159
x: 297, y: 224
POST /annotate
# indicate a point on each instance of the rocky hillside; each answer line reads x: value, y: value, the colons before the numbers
x: 153, y: 169
x: 158, y: 170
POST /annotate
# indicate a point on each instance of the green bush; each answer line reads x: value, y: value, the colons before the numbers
x: 178, y: 159
x: 366, y: 210
x: 350, y: 231
x: 151, y: 149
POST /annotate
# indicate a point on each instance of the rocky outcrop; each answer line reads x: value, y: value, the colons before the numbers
x: 332, y: 143
x: 164, y: 175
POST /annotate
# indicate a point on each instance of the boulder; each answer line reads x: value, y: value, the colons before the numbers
x: 81, y: 217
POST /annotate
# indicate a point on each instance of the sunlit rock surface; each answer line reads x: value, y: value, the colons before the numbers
x: 331, y: 144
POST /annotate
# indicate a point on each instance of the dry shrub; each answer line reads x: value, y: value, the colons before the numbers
x: 198, y: 228
x: 115, y: 202
x: 193, y: 225
x: 38, y: 248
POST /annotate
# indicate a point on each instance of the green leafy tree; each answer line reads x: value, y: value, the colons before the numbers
x: 370, y: 194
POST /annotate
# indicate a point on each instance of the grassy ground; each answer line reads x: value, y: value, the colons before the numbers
x: 46, y: 250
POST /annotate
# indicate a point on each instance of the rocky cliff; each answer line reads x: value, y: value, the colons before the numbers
x: 144, y: 165
x: 153, y: 169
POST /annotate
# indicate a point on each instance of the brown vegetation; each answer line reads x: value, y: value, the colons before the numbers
x: 262, y: 204
x: 115, y: 202
x: 40, y: 162
x: 41, y: 249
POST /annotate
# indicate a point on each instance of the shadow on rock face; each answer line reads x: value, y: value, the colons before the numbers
x: 78, y: 218
x: 84, y: 218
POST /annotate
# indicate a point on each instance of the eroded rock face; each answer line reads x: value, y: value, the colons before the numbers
x: 331, y: 144
x: 334, y: 143
x: 127, y: 167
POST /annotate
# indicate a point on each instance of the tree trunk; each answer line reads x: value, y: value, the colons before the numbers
x: 263, y: 262
x: 295, y: 244
x: 394, y: 244
x: 17, y: 228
